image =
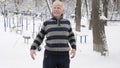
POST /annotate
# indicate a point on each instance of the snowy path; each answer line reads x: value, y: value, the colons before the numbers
x: 15, y: 54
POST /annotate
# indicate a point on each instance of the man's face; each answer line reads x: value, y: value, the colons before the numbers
x: 57, y: 10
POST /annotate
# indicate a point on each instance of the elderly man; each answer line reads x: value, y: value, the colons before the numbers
x: 59, y: 36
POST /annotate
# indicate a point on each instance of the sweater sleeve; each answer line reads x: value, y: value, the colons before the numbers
x: 39, y: 38
x: 71, y: 39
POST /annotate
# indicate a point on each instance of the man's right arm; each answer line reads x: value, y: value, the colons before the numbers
x: 37, y: 41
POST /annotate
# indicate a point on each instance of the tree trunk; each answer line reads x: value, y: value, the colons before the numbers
x: 53, y: 1
x: 49, y: 8
x: 86, y: 7
x: 119, y: 5
x: 78, y: 15
x: 105, y: 8
x: 36, y: 3
x: 99, y: 38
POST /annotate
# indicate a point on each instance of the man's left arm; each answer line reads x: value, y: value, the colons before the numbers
x: 72, y: 42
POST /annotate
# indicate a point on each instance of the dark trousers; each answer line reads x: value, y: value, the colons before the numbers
x: 56, y: 60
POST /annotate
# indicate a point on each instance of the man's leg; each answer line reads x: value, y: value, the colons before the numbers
x: 63, y: 61
x: 49, y: 61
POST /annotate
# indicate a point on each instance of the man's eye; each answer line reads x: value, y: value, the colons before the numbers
x: 58, y: 8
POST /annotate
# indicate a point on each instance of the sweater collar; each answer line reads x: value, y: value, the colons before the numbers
x: 54, y: 18
x: 57, y: 20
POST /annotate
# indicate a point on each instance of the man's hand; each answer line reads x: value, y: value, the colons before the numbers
x: 73, y: 53
x: 32, y: 53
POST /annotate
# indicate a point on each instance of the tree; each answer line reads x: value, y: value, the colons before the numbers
x: 105, y: 8
x: 99, y: 38
x: 49, y: 7
x: 119, y: 6
x: 86, y: 7
x: 53, y: 1
x: 78, y: 15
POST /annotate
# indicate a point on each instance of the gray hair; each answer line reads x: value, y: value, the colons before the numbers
x: 58, y: 3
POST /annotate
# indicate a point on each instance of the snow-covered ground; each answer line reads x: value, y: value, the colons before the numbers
x: 14, y: 53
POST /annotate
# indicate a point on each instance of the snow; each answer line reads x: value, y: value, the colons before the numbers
x: 102, y: 17
x: 14, y: 53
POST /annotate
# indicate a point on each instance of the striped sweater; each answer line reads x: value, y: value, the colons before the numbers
x: 58, y: 35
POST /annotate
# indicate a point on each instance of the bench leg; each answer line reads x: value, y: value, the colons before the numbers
x: 83, y: 39
x: 27, y: 41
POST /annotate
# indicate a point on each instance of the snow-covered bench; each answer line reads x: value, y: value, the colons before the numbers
x: 81, y: 37
x: 26, y: 36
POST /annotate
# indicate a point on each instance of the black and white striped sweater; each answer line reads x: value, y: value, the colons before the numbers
x: 58, y: 35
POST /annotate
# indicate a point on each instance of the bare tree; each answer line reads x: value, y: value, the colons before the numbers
x: 119, y: 6
x: 49, y: 7
x: 53, y: 1
x: 99, y: 38
x: 78, y: 15
x: 105, y: 7
x: 86, y: 7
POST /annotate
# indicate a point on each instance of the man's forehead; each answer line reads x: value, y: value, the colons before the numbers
x: 57, y: 5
